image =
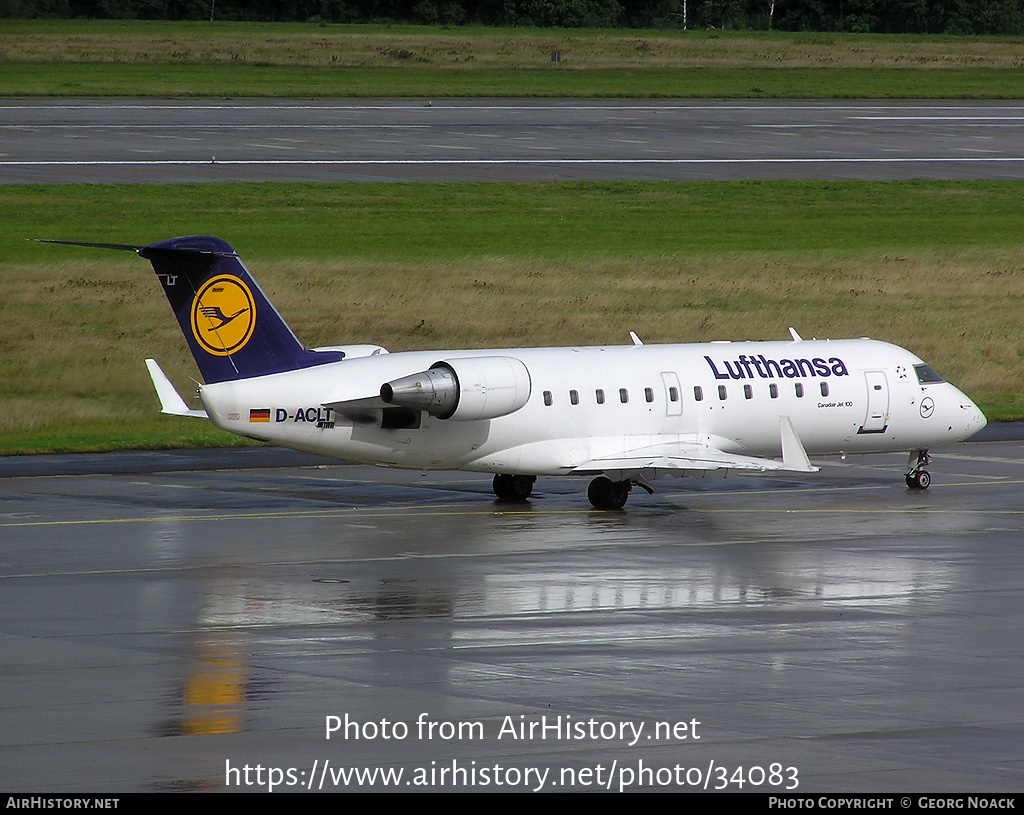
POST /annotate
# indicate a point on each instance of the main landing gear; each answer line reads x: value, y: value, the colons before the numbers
x: 607, y: 494
x: 919, y: 478
x: 513, y: 487
x: 603, y: 492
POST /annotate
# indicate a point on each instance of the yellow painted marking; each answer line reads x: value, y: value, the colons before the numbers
x: 993, y: 481
x: 360, y: 512
x: 440, y: 510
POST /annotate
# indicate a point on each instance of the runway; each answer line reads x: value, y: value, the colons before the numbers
x: 147, y: 141
x: 169, y: 619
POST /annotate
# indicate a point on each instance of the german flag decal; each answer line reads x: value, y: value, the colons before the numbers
x: 259, y: 415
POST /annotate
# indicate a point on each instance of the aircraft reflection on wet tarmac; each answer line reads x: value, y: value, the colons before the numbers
x: 243, y: 606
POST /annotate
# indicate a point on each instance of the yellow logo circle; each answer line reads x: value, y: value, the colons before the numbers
x: 223, y: 315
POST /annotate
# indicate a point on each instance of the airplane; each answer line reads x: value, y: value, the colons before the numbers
x: 621, y: 415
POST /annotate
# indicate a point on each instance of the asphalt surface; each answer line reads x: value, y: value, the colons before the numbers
x: 168, y: 619
x: 132, y: 141
x: 191, y: 620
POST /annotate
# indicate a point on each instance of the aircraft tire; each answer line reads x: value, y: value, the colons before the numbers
x: 607, y: 494
x: 513, y: 487
x: 919, y: 480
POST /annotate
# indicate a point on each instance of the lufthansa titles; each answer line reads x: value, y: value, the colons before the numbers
x: 753, y: 366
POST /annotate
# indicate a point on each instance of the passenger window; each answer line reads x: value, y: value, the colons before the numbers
x: 773, y: 391
x: 673, y: 394
x: 698, y: 393
x: 722, y: 393
x: 824, y: 388
x: 599, y: 395
x: 574, y: 397
x: 748, y: 392
x: 623, y: 395
x: 547, y: 398
x: 799, y: 389
x: 649, y: 394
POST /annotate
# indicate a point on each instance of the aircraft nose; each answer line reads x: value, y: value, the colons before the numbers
x: 975, y: 418
x: 979, y: 417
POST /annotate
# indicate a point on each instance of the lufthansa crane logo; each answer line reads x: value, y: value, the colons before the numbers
x: 223, y: 315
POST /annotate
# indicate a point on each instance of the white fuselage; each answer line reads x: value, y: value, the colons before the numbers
x: 840, y: 395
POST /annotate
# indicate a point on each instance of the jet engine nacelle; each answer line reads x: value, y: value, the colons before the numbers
x: 464, y: 389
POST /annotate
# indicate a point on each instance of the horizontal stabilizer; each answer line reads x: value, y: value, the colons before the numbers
x: 170, y: 402
x: 128, y: 247
x: 123, y: 247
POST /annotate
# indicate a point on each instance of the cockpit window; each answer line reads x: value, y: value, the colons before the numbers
x: 926, y: 376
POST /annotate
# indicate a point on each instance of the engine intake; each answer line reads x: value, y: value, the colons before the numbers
x: 464, y: 390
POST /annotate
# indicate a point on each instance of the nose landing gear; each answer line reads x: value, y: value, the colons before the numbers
x: 918, y: 478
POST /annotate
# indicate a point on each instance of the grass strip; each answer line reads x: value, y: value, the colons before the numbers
x: 934, y: 266
x: 225, y: 81
x: 151, y: 58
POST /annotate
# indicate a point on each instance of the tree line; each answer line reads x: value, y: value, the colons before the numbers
x: 866, y: 16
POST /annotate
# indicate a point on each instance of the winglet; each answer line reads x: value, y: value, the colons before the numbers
x: 170, y: 402
x: 794, y: 456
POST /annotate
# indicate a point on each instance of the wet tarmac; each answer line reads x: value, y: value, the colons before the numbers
x: 171, y: 619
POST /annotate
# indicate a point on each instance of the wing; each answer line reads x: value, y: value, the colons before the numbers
x: 698, y: 458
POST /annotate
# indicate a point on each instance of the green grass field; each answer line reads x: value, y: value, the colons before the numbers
x: 122, y: 58
x: 934, y: 266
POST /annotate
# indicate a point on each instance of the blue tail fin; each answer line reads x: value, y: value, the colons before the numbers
x: 230, y: 326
